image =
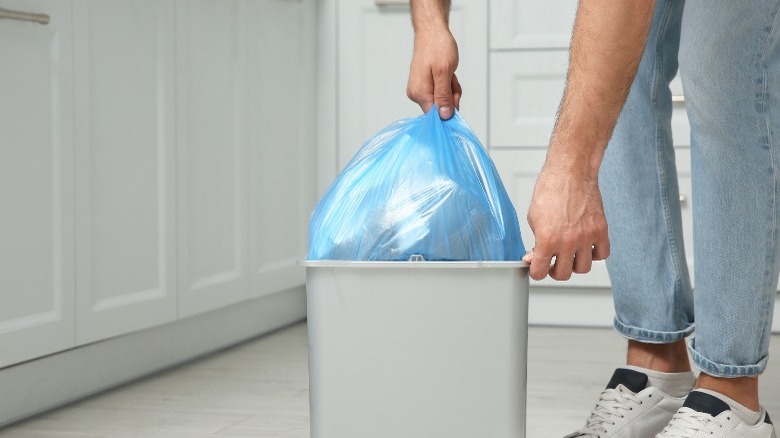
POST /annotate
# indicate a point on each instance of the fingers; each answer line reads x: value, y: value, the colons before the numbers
x: 418, y: 93
x: 601, y: 249
x: 558, y: 267
x: 442, y: 92
x: 551, y: 258
x: 583, y: 260
x: 562, y: 268
x: 457, y: 91
x: 540, y: 264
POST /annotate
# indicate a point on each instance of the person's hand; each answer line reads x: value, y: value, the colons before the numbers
x: 567, y: 219
x: 432, y: 73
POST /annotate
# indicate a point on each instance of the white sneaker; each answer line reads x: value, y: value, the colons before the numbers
x: 628, y: 408
x: 704, y: 415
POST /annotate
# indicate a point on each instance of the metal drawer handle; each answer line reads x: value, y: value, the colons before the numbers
x: 683, y: 199
x: 678, y: 98
x: 24, y: 16
x: 392, y: 2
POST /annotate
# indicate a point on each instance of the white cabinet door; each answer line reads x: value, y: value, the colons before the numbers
x: 527, y: 24
x: 211, y: 154
x: 525, y: 91
x: 282, y: 155
x: 124, y: 166
x: 374, y: 52
x: 37, y: 273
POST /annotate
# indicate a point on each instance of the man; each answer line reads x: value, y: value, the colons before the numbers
x: 623, y: 56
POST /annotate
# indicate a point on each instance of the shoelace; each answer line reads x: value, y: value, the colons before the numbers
x: 610, y: 407
x: 686, y: 423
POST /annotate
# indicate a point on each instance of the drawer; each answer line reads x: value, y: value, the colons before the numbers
x: 519, y: 169
x: 525, y: 24
x: 526, y: 89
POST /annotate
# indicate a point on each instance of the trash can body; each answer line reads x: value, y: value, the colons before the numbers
x: 417, y: 349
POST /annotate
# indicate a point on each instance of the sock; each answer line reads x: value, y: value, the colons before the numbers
x: 675, y: 384
x: 749, y: 416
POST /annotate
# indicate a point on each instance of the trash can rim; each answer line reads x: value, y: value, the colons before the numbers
x: 425, y: 264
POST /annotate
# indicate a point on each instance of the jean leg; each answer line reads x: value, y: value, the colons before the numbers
x: 730, y: 66
x: 638, y: 180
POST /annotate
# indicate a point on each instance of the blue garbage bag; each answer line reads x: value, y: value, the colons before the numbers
x: 422, y: 188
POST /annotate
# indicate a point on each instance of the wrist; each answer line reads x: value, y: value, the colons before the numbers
x: 432, y: 32
x: 575, y: 158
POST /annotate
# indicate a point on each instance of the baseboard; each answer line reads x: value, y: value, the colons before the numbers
x: 46, y: 383
x: 584, y: 307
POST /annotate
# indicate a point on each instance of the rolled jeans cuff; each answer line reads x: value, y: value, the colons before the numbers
x: 721, y: 370
x: 650, y: 336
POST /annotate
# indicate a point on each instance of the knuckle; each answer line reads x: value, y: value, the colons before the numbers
x: 443, y: 66
x: 442, y: 94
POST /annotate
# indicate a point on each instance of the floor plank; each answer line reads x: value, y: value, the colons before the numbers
x: 259, y: 389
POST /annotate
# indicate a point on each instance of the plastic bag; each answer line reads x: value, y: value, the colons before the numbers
x: 422, y: 188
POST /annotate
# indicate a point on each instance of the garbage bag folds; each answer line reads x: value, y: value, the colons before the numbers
x: 422, y: 188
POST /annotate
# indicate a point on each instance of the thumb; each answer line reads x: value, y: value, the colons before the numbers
x: 442, y: 94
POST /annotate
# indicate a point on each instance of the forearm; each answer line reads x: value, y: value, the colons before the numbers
x: 607, y: 46
x: 430, y: 14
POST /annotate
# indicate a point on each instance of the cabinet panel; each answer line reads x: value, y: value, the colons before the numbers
x: 37, y: 272
x: 124, y: 166
x: 211, y: 158
x: 282, y: 163
x: 524, y: 24
x: 525, y: 91
x: 375, y: 46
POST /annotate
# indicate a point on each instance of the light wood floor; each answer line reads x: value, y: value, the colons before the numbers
x: 259, y: 389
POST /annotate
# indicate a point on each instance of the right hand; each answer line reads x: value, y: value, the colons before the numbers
x: 567, y: 219
x: 432, y: 73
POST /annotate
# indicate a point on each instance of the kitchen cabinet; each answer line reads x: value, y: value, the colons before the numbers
x: 125, y: 168
x: 37, y: 247
x: 157, y: 163
x: 528, y: 64
x: 519, y: 24
x: 513, y: 65
x: 282, y: 152
x: 245, y: 142
x: 525, y: 90
x: 211, y: 129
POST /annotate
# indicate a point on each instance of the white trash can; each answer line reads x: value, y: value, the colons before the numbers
x: 417, y: 349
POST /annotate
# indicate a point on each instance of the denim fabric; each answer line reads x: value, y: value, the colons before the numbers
x: 729, y: 61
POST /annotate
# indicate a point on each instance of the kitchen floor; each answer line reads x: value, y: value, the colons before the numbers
x: 259, y: 389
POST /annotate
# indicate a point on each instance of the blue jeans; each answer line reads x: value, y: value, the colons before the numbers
x: 729, y: 61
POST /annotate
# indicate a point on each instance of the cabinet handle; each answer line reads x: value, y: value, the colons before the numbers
x: 678, y: 98
x: 683, y: 199
x: 392, y: 2
x: 24, y: 16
